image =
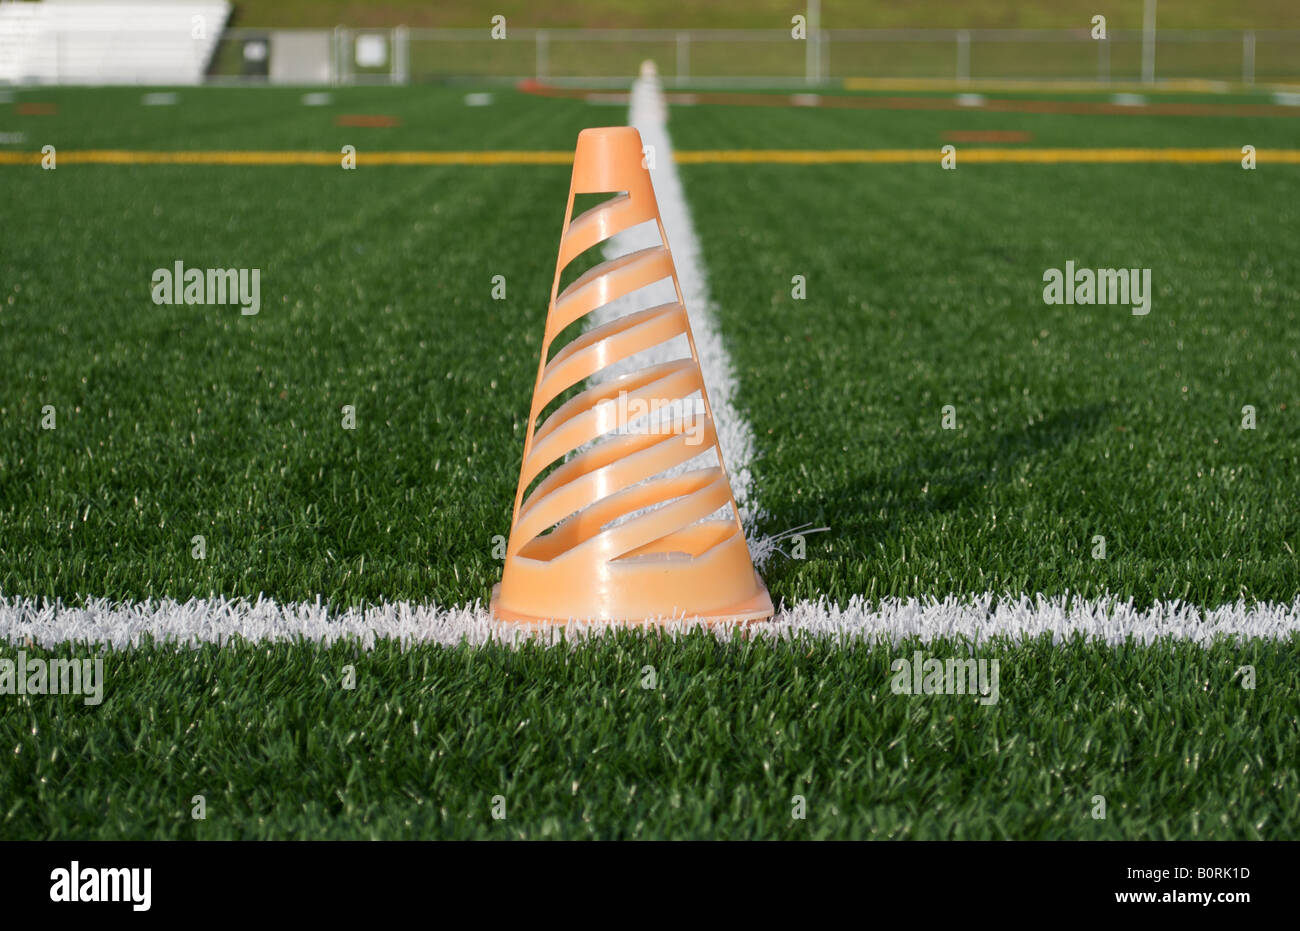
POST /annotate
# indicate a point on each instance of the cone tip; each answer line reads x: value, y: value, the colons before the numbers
x: 598, y: 134
x: 608, y: 158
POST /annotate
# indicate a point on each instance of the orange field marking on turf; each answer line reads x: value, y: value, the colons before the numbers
x: 371, y: 120
x: 987, y: 135
x: 698, y: 157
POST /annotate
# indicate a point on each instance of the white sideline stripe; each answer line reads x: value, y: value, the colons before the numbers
x: 648, y: 114
x: 1110, y: 620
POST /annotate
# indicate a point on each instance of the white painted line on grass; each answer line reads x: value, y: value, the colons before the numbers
x: 1110, y: 620
x: 649, y: 115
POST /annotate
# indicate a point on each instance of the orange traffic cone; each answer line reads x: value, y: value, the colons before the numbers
x: 616, y: 531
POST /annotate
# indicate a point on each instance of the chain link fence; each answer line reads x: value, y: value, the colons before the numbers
x: 757, y: 57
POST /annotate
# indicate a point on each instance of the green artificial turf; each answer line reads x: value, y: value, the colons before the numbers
x: 174, y: 421
x: 831, y: 127
x: 924, y: 289
x: 578, y: 748
x: 276, y: 118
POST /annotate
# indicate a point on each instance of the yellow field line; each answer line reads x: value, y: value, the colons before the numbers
x: 697, y: 157
x: 236, y: 157
x: 1175, y: 86
x: 967, y: 155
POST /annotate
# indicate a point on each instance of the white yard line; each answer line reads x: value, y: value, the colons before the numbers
x: 649, y: 115
x: 27, y: 621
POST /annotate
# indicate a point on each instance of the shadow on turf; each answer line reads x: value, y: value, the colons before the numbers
x: 941, y: 478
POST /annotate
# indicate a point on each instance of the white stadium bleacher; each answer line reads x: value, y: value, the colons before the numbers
x: 164, y: 42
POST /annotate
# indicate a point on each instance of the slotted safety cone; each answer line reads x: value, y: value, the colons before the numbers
x: 617, y: 532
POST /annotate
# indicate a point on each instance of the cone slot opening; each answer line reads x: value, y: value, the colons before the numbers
x: 619, y: 450
x: 627, y: 261
x: 588, y: 204
x: 581, y: 264
x: 615, y: 306
x: 639, y: 330
x: 608, y: 468
x: 599, y: 410
x: 585, y: 361
x: 690, y: 490
x: 625, y: 291
x: 606, y: 283
x: 586, y: 257
x: 580, y: 250
x: 688, y: 543
x: 695, y: 433
x: 608, y: 218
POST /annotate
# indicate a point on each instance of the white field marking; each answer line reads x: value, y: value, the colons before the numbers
x: 317, y: 99
x: 977, y: 619
x: 160, y: 99
x: 480, y: 99
x: 648, y: 114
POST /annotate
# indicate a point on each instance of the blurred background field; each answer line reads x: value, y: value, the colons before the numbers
x: 752, y: 14
x: 820, y: 42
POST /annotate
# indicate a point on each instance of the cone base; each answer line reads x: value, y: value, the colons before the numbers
x: 757, y: 608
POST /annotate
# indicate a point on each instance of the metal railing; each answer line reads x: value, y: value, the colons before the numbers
x: 709, y: 56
